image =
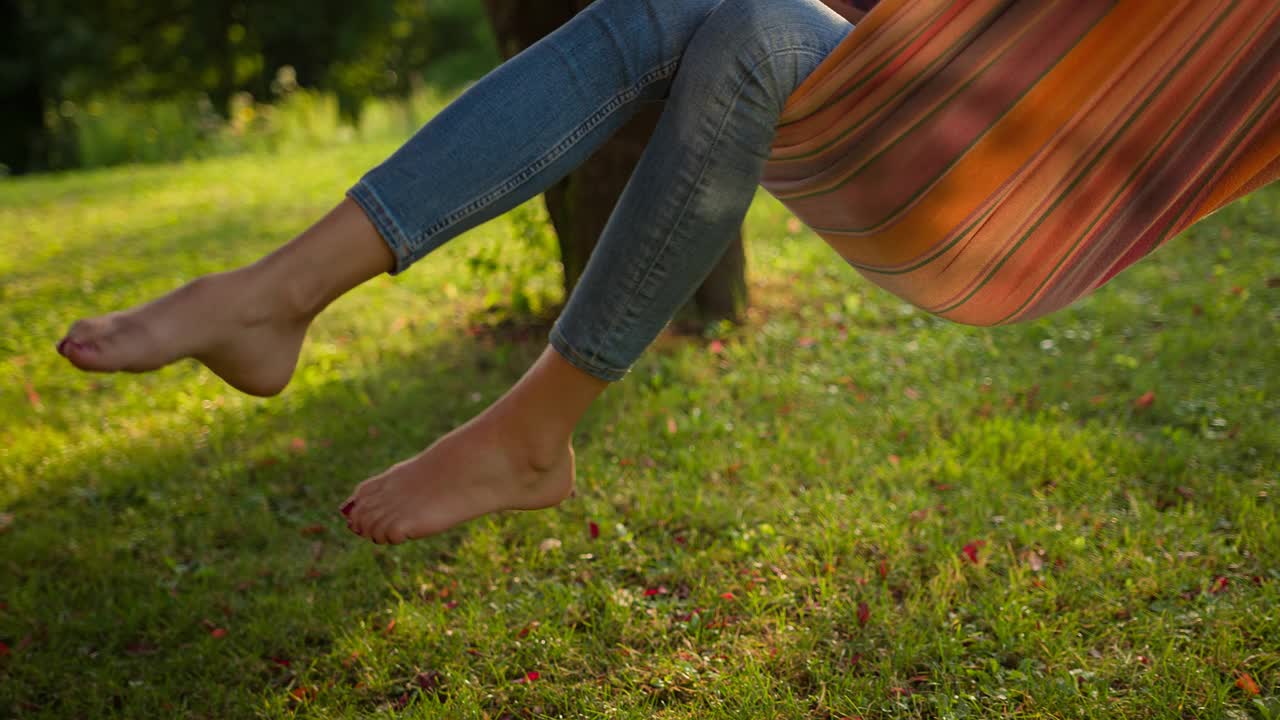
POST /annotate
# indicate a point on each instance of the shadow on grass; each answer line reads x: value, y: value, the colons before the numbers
x: 140, y: 553
x: 134, y: 555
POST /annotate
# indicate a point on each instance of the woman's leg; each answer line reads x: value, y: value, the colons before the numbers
x: 511, y: 136
x: 680, y: 210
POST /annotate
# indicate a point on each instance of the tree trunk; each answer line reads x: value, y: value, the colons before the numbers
x: 580, y: 204
x: 22, y: 131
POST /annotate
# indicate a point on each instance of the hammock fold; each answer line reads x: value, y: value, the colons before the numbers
x: 992, y: 161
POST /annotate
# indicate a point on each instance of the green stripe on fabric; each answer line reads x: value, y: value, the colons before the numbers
x: 1075, y: 183
x: 869, y: 77
x: 956, y: 158
x: 924, y: 77
x: 1054, y: 273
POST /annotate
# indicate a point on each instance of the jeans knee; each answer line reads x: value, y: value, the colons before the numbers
x: 776, y: 43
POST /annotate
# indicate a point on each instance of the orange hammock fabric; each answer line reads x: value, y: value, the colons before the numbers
x: 993, y: 160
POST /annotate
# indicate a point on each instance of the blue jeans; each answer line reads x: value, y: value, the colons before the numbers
x: 722, y: 68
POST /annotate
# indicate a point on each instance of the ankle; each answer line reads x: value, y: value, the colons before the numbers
x: 279, y: 294
x: 533, y: 441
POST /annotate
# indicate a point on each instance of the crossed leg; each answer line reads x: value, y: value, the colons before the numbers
x: 724, y: 69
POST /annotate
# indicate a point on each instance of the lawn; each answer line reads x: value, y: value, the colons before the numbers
x: 843, y: 508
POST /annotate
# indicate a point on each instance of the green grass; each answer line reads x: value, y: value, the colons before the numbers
x: 781, y: 523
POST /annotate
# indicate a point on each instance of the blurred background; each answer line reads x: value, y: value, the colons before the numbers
x: 92, y: 84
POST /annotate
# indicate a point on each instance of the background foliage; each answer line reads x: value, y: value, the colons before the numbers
x: 90, y: 84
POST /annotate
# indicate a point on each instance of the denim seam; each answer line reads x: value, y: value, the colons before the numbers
x: 556, y: 152
x: 737, y: 93
x: 580, y: 361
x: 367, y: 198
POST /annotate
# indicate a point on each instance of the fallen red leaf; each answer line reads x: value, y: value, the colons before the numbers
x: 660, y: 590
x: 451, y: 605
x: 218, y: 632
x: 429, y: 680
x: 716, y: 347
x: 1220, y: 583
x: 593, y: 530
x: 390, y: 626
x: 1145, y: 400
x: 1245, y: 682
x: 883, y: 569
x: 282, y: 662
x: 864, y: 613
x: 727, y: 596
x: 33, y: 397
x: 303, y: 694
x: 971, y: 550
x: 4, y: 649
x: 529, y: 677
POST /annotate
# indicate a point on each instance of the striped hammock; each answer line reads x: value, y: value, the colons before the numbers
x: 991, y: 161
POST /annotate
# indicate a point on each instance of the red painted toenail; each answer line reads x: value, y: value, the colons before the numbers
x: 347, y: 508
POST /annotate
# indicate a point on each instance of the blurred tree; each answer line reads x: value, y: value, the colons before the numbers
x: 21, y: 93
x: 56, y: 50
x: 580, y: 204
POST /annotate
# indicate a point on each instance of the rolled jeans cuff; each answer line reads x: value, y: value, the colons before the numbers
x: 380, y: 215
x: 580, y: 360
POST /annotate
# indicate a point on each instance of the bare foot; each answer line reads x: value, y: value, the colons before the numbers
x: 475, y: 470
x: 236, y: 323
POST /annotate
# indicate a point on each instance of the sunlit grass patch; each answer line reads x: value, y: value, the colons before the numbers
x: 843, y: 508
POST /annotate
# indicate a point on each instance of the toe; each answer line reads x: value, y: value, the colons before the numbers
x: 378, y: 531
x: 85, y: 356
x: 367, y: 520
x: 356, y: 522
